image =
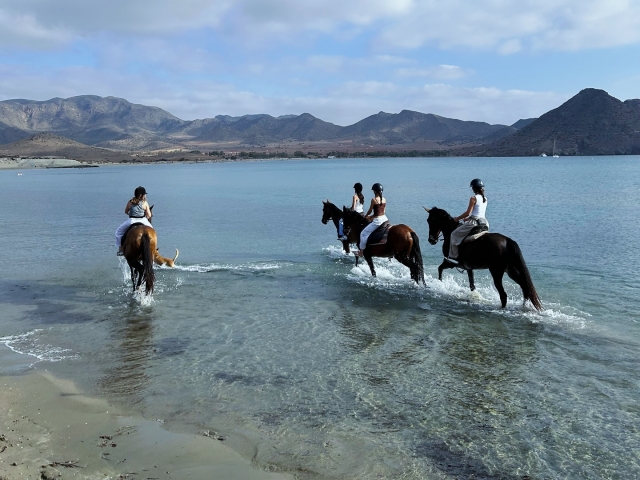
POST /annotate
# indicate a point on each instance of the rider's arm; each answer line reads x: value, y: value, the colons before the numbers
x: 472, y: 203
x: 147, y: 211
x: 126, y: 209
x: 353, y: 202
x: 370, y: 208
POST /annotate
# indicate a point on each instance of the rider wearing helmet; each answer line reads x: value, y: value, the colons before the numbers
x: 357, y: 205
x: 473, y: 216
x: 139, y: 212
x: 378, y: 206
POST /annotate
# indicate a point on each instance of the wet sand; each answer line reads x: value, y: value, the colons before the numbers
x: 49, y: 430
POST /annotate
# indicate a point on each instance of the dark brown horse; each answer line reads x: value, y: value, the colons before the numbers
x: 331, y: 212
x: 492, y: 250
x: 402, y: 244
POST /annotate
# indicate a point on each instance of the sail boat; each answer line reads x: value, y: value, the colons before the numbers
x: 554, y: 149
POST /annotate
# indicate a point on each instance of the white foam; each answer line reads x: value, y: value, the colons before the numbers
x: 395, y: 278
x: 213, y: 267
x: 27, y: 344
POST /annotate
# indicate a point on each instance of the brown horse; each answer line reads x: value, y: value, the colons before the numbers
x: 402, y: 244
x: 492, y: 250
x: 141, y: 251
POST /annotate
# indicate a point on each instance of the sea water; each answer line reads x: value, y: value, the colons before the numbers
x: 268, y: 334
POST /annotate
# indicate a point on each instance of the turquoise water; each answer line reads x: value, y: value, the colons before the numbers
x: 268, y: 334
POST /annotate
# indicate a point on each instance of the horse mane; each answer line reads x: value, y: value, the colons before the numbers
x: 353, y: 217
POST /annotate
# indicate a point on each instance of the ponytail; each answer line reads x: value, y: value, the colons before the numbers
x: 361, y: 197
x: 480, y: 191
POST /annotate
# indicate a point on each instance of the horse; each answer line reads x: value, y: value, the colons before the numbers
x: 331, y: 212
x: 141, y: 252
x: 492, y: 251
x: 402, y: 244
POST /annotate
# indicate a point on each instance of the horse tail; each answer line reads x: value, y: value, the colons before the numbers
x: 147, y: 263
x: 518, y: 271
x: 415, y: 259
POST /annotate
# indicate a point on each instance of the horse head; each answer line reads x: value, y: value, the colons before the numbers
x: 437, y: 220
x: 326, y: 211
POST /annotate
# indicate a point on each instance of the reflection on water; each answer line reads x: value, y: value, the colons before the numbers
x: 132, y: 343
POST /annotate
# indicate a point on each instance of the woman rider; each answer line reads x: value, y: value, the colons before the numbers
x: 473, y: 216
x: 378, y: 206
x: 139, y: 212
x: 357, y: 205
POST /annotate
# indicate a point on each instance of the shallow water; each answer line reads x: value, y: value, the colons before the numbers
x: 268, y: 333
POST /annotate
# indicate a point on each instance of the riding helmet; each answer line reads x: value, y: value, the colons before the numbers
x: 476, y: 183
x: 358, y: 187
x: 377, y: 187
x: 139, y: 192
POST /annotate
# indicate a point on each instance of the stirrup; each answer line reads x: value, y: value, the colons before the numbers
x: 451, y: 260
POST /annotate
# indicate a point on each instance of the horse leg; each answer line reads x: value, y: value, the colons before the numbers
x: 140, y: 272
x: 133, y: 277
x: 497, y: 275
x: 369, y: 260
x: 444, y: 266
x: 345, y: 246
x: 472, y: 284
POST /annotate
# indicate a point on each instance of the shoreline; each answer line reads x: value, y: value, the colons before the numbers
x: 41, y: 163
x: 50, y: 430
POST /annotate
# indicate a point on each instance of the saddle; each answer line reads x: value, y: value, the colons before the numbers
x: 475, y: 233
x: 127, y: 231
x: 379, y: 235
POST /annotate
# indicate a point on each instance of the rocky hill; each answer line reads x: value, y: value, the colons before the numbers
x: 412, y: 127
x: 48, y: 144
x: 591, y: 123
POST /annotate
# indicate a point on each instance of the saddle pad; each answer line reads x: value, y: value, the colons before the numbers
x: 127, y: 231
x: 474, y: 236
x: 379, y: 235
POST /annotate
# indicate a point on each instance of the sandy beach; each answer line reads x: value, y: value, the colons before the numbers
x: 7, y: 163
x: 49, y: 430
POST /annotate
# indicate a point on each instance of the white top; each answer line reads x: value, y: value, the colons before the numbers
x: 480, y: 208
x: 359, y: 207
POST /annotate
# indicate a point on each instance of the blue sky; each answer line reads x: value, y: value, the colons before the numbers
x: 340, y: 60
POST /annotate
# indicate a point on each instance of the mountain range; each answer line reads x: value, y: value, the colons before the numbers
x: 115, y: 123
x: 590, y: 123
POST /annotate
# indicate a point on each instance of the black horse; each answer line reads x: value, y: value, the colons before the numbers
x: 402, y: 244
x: 492, y: 250
x: 331, y: 212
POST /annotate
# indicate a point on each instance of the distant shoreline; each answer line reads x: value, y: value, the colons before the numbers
x: 28, y: 163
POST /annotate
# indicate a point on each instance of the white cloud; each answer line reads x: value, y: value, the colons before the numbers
x: 509, y: 26
x: 505, y: 26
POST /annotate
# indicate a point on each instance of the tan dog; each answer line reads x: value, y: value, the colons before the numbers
x: 160, y: 260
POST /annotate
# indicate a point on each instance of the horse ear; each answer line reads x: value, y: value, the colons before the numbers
x: 323, y: 202
x: 425, y: 208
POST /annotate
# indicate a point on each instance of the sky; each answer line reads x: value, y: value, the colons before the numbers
x: 494, y: 61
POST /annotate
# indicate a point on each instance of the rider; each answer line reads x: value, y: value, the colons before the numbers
x: 473, y: 216
x: 139, y: 212
x: 357, y: 205
x: 378, y: 206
